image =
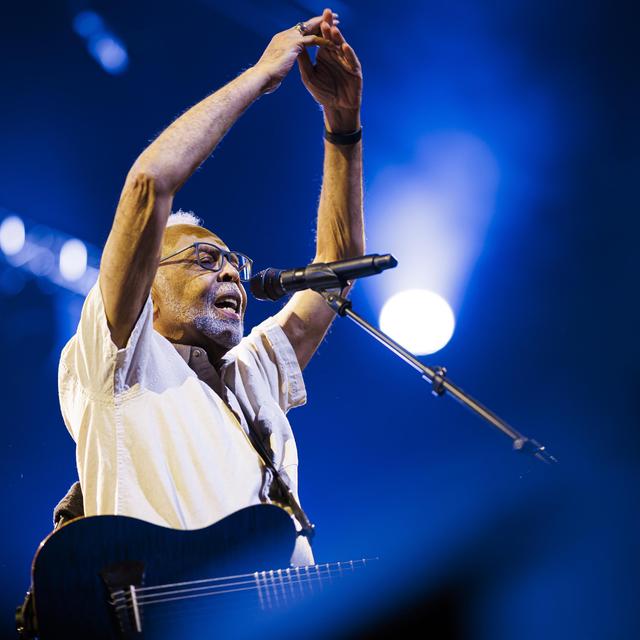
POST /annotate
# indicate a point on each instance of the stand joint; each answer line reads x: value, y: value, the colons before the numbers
x: 438, y: 381
x: 336, y: 302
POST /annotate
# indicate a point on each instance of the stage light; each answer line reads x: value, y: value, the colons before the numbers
x: 12, y: 235
x: 87, y: 23
x: 433, y: 213
x: 421, y: 321
x: 105, y: 47
x: 110, y: 53
x: 73, y: 259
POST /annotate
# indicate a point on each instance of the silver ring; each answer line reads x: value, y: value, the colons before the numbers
x: 302, y: 28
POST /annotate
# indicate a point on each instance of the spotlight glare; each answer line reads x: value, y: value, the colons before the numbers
x: 110, y: 53
x: 73, y: 260
x: 421, y: 321
x: 87, y: 23
x: 12, y: 235
x: 102, y: 43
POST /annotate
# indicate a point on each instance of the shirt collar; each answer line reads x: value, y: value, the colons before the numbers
x: 184, y: 350
x: 197, y: 360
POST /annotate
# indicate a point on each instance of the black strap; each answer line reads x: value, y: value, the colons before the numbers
x: 343, y: 138
x: 308, y: 529
x: 284, y: 491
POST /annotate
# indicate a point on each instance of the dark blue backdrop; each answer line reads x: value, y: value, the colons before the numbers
x: 546, y: 312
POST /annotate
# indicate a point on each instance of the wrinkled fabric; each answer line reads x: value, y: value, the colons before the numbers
x: 163, y: 436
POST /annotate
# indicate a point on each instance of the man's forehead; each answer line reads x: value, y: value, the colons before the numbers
x: 182, y: 235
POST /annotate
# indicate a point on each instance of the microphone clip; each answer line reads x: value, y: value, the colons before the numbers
x: 337, y: 303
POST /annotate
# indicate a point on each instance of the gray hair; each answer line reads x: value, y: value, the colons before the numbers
x: 183, y: 217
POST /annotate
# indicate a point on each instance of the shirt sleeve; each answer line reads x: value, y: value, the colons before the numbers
x: 265, y: 358
x: 92, y: 360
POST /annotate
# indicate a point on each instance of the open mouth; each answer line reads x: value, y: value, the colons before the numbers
x: 229, y: 303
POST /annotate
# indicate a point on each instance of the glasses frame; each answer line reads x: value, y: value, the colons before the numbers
x: 224, y: 255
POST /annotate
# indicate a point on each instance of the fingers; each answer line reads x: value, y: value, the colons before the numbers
x: 312, y: 26
x: 337, y: 37
x: 331, y: 32
x: 323, y: 31
x: 325, y: 28
x: 304, y: 64
x: 350, y: 56
x: 316, y: 41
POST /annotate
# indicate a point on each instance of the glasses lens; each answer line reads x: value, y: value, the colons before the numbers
x: 241, y: 263
x: 209, y: 257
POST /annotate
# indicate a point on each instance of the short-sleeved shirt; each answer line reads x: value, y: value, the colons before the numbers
x: 155, y: 440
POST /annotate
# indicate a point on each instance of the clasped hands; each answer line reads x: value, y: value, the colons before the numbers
x: 334, y: 80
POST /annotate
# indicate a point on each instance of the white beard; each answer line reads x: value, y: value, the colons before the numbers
x: 210, y: 321
x: 223, y: 331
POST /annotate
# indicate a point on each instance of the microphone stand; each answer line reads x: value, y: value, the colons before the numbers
x: 436, y: 376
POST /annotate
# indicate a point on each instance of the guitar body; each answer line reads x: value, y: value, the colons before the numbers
x: 78, y: 569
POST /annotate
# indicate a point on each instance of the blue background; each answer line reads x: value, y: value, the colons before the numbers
x: 546, y: 315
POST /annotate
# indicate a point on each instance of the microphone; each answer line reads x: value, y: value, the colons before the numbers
x: 272, y: 284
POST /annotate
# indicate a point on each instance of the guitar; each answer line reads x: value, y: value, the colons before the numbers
x: 114, y: 577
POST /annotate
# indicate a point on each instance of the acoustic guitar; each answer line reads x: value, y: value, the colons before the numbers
x: 115, y: 577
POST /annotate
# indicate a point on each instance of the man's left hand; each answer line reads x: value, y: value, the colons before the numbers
x: 335, y: 80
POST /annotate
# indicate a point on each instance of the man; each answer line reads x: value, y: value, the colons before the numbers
x: 176, y: 417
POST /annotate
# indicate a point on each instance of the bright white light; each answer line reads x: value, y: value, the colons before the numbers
x: 73, y: 259
x: 12, y: 235
x: 420, y: 320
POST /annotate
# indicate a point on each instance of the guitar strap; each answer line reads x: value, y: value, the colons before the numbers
x: 258, y: 434
x: 284, y: 491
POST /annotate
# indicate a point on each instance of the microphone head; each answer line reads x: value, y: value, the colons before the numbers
x: 386, y: 261
x: 265, y: 285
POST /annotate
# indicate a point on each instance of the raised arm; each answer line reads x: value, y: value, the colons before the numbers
x: 335, y: 81
x: 131, y: 254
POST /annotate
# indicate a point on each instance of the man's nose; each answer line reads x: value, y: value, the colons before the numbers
x: 228, y: 273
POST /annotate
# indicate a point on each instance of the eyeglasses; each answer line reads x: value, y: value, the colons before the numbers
x: 211, y: 257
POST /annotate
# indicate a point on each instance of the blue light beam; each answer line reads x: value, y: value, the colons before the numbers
x: 432, y: 214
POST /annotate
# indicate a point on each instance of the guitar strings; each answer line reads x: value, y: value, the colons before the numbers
x: 346, y: 565
x: 331, y: 566
x: 274, y: 583
x: 274, y: 595
x: 275, y: 590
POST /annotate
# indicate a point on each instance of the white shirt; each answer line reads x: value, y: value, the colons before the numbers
x: 155, y: 441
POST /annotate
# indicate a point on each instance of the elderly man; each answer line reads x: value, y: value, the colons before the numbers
x: 178, y: 419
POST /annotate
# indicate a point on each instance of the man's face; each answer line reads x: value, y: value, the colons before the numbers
x: 193, y: 305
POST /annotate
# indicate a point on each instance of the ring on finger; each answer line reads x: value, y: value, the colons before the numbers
x: 302, y: 28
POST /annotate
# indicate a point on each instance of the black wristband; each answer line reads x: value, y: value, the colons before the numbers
x: 343, y: 138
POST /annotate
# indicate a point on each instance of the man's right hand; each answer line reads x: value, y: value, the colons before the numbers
x: 284, y: 49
